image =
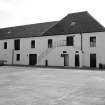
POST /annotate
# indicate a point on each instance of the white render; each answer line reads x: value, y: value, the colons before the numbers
x: 53, y: 55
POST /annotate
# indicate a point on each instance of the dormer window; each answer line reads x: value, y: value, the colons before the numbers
x: 9, y: 32
x: 73, y: 23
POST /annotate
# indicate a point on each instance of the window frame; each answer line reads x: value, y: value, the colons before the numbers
x: 69, y: 42
x: 93, y: 41
x: 50, y: 43
x: 32, y: 43
x: 17, y: 44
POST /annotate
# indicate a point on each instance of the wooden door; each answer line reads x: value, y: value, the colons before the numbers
x: 92, y: 60
x: 32, y: 59
x: 66, y: 60
x: 77, y: 63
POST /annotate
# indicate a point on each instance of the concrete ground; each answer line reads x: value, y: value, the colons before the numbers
x: 41, y: 86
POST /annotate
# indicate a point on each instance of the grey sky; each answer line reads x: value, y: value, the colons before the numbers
x: 18, y: 12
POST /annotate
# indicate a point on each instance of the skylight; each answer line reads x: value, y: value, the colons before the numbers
x: 73, y: 23
x: 9, y: 32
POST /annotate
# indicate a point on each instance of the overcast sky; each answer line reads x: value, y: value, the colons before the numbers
x: 20, y: 12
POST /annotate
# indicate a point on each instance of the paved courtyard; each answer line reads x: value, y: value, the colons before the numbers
x: 38, y: 86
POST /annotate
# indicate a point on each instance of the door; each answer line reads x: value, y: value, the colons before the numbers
x: 66, y: 60
x: 77, y: 63
x: 32, y: 59
x: 92, y: 60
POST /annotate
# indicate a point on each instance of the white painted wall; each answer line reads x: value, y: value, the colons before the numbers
x: 6, y: 54
x: 99, y: 49
x: 54, y: 58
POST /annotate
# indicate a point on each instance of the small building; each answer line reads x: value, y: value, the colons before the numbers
x: 77, y: 40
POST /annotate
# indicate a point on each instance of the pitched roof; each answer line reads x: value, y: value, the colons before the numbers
x: 81, y: 22
x: 26, y: 30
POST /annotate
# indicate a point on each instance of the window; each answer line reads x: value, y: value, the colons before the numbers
x: 17, y: 44
x: 73, y: 23
x: 77, y: 52
x: 18, y: 57
x: 70, y: 41
x: 5, y: 45
x: 64, y: 51
x: 50, y: 43
x: 32, y: 43
x: 92, y: 41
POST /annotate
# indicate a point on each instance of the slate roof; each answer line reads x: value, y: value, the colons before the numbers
x: 81, y: 22
x: 33, y: 30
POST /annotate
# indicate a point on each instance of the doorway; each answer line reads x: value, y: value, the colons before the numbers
x: 32, y: 59
x: 92, y: 60
x: 77, y: 63
x: 66, y: 59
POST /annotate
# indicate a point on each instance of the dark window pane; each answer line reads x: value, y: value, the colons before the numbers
x: 5, y: 45
x: 64, y: 51
x: 92, y: 41
x: 17, y: 44
x: 32, y: 43
x: 70, y: 41
x: 18, y: 57
x: 50, y: 43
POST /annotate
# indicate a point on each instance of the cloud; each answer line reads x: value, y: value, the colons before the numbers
x: 5, y: 17
x: 8, y: 1
x: 6, y: 13
x: 18, y: 12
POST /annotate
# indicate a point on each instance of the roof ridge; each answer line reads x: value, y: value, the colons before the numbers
x: 77, y: 12
x: 50, y: 27
x: 27, y: 25
x: 96, y: 20
x: 85, y: 23
x: 84, y: 20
